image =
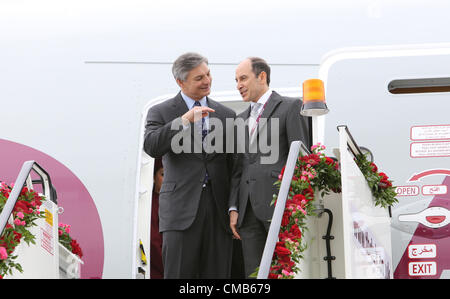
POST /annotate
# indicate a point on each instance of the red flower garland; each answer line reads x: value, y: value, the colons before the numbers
x: 67, y: 241
x: 25, y: 213
x: 314, y: 171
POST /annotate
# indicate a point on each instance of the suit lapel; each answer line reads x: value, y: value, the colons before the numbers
x: 180, y: 105
x: 272, y: 102
x: 217, y: 109
x: 181, y: 108
x: 245, y: 116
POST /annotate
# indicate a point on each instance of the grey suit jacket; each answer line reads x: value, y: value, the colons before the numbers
x: 253, y: 180
x: 184, y: 172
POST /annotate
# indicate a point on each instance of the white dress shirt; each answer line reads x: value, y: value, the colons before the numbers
x: 255, y: 112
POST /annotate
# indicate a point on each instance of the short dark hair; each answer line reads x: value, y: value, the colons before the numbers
x: 260, y: 65
x: 185, y: 63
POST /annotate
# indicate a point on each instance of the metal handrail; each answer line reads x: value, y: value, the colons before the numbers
x: 274, y: 229
x: 275, y: 224
x: 24, y: 179
x: 351, y: 143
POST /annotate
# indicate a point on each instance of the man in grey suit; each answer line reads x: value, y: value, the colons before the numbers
x: 193, y: 200
x: 276, y: 119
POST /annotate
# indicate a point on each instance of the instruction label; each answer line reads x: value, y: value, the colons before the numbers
x: 434, y: 132
x: 430, y: 149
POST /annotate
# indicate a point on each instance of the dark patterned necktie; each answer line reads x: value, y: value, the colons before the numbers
x: 204, y: 129
x: 204, y: 133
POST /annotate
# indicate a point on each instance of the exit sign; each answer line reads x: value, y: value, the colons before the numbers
x: 422, y: 268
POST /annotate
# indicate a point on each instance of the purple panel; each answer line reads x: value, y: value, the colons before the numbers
x: 79, y: 208
x: 426, y: 235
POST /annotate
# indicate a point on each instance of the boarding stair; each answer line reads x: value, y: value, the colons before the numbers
x: 47, y: 258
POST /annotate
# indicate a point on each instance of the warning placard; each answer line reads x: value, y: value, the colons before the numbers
x: 47, y: 233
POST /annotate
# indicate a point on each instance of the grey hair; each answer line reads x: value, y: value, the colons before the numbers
x: 185, y: 63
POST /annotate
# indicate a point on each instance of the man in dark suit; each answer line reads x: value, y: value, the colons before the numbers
x: 193, y: 200
x: 273, y: 121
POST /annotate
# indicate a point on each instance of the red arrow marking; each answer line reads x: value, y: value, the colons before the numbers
x: 418, y: 176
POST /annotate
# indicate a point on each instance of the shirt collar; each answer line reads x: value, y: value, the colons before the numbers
x: 190, y: 102
x: 263, y: 99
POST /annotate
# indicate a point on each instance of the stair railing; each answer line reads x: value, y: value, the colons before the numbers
x: 24, y: 179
